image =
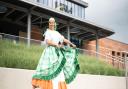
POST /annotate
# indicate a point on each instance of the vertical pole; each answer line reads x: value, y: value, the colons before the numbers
x: 29, y: 29
x: 126, y: 70
x: 68, y: 32
x: 97, y: 45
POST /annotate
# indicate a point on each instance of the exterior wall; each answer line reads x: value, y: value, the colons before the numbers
x: 21, y: 79
x: 107, y: 45
x: 112, y: 48
x: 35, y: 33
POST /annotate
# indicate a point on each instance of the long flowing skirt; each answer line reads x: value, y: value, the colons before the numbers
x: 56, y: 68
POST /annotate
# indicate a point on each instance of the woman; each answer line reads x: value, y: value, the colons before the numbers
x: 58, y: 66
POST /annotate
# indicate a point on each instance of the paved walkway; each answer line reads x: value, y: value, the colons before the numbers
x: 21, y: 79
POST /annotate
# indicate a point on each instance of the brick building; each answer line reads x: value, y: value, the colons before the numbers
x: 114, y: 51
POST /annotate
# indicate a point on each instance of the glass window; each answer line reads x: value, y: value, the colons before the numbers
x: 50, y: 3
x: 62, y: 1
x: 62, y: 5
x: 66, y: 6
x: 69, y: 8
x: 58, y: 4
x: 66, y: 2
x: 80, y: 11
x: 73, y: 9
x: 45, y: 2
x: 76, y: 10
x: 54, y: 3
x: 83, y: 12
x: 40, y: 1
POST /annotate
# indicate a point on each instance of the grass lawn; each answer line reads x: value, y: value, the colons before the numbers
x: 20, y: 56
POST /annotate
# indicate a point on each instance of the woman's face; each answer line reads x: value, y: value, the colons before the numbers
x: 51, y: 24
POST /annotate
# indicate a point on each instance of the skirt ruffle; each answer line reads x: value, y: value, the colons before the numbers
x: 48, y: 84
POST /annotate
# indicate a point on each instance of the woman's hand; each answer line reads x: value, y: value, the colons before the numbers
x: 73, y: 45
x: 59, y: 46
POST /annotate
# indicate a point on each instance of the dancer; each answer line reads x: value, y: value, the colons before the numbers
x: 58, y: 65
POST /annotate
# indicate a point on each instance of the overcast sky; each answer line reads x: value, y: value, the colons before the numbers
x: 112, y: 14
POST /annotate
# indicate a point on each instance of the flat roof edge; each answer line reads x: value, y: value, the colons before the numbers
x: 80, y: 2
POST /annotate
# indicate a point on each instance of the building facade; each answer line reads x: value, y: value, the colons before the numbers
x: 115, y: 52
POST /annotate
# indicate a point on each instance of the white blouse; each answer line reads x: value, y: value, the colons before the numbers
x: 53, y: 35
